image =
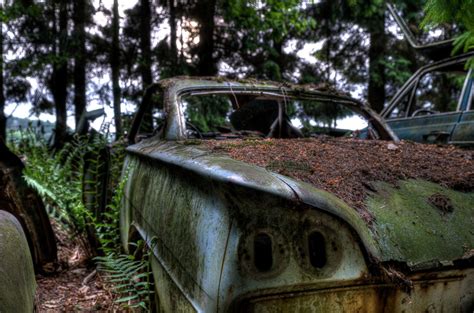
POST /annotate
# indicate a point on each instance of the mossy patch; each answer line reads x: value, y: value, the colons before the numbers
x: 411, y: 229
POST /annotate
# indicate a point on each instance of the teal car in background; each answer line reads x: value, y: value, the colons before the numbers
x: 436, y: 104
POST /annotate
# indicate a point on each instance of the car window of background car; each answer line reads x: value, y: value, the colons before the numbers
x: 470, y: 101
x: 438, y: 92
x: 400, y: 110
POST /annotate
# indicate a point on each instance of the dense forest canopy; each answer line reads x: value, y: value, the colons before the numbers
x: 65, y: 57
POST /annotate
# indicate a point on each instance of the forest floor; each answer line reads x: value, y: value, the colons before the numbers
x: 76, y: 286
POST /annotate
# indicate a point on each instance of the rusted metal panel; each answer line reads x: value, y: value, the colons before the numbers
x: 189, y: 230
x: 447, y: 292
x: 409, y: 228
x: 200, y: 226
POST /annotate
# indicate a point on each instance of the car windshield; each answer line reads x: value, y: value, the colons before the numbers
x: 213, y: 115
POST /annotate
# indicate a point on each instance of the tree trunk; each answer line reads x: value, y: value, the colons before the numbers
x: 173, y: 38
x: 115, y: 66
x: 206, y: 11
x: 145, y: 64
x: 376, y: 88
x: 58, y: 83
x: 79, y: 59
x: 3, y: 120
x: 279, y: 59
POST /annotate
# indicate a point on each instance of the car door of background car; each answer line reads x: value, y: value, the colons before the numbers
x: 464, y: 131
x: 430, y: 107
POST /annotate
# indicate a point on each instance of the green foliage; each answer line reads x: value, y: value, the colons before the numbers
x: 109, y: 230
x: 207, y: 112
x: 397, y: 69
x: 130, y: 274
x: 131, y: 277
x: 260, y: 30
x: 366, y: 9
x: 459, y: 12
x: 60, y: 180
x: 57, y: 178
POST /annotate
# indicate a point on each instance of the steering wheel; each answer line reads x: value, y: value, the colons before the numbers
x: 417, y: 112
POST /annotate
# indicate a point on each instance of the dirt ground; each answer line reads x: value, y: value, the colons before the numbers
x: 346, y: 167
x: 75, y: 286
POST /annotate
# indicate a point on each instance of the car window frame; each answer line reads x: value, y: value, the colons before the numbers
x: 175, y: 125
x: 412, y: 83
x: 467, y: 87
x: 280, y: 93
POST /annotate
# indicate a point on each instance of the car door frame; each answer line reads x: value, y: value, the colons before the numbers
x: 410, y: 87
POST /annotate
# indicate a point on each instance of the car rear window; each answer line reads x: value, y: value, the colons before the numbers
x: 224, y: 114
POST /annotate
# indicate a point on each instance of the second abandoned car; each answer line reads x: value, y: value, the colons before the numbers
x: 228, y: 193
x: 436, y: 105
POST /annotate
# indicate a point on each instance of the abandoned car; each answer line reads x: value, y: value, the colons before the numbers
x: 249, y: 204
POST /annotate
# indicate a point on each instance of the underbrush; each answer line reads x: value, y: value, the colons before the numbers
x: 82, y: 187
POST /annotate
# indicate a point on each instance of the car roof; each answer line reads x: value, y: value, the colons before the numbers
x: 173, y: 87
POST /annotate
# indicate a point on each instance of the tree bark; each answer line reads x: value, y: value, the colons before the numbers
x: 206, y: 11
x: 145, y: 64
x: 376, y: 86
x: 79, y: 19
x: 3, y: 120
x: 115, y: 66
x: 58, y: 83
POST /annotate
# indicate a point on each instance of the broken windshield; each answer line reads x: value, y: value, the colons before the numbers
x: 214, y: 115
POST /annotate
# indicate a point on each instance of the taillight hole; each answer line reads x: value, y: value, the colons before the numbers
x: 262, y: 251
x: 317, y: 249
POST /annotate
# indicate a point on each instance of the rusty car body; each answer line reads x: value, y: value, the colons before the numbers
x: 228, y: 236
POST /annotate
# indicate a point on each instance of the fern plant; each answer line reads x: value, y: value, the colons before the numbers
x: 130, y: 274
x: 459, y: 12
x: 71, y: 184
x: 131, y: 278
